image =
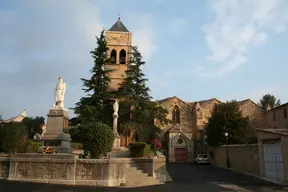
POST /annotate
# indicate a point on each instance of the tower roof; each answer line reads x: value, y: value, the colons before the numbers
x: 119, y: 26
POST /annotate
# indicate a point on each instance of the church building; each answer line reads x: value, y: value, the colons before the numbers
x: 185, y: 135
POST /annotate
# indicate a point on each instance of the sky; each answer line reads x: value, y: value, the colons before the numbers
x: 196, y: 49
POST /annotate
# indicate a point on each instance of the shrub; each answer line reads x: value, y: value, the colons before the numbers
x: 77, y: 146
x: 13, y: 137
x: 140, y: 149
x: 33, y: 146
x: 97, y: 138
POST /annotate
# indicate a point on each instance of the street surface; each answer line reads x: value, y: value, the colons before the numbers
x: 186, y: 177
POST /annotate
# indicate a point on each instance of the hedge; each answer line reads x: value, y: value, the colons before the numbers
x: 140, y: 149
x: 33, y: 146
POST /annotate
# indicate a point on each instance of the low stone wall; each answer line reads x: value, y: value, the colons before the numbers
x: 69, y: 169
x: 4, y: 167
x: 243, y: 158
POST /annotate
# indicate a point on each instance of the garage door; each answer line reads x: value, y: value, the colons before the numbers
x: 273, y: 161
x: 180, y: 154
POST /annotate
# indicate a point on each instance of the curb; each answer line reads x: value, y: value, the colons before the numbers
x: 258, y: 177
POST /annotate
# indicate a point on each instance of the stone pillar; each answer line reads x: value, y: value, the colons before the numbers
x: 55, y: 136
x: 116, y: 143
x: 115, y: 123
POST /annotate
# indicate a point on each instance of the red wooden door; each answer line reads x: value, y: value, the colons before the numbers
x: 180, y: 154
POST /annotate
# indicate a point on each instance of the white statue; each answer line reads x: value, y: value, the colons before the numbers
x: 23, y: 114
x: 116, y: 107
x: 59, y: 94
x: 43, y: 127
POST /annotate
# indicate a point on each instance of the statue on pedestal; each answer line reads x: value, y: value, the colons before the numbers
x: 116, y: 107
x: 59, y: 94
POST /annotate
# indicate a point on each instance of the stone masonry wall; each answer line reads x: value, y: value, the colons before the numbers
x: 243, y: 158
x: 68, y: 169
x: 249, y: 109
x: 185, y: 111
x: 4, y: 167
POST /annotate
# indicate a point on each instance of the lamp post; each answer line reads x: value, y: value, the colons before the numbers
x: 227, y: 153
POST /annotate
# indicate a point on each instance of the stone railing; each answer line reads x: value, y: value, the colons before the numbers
x: 69, y: 169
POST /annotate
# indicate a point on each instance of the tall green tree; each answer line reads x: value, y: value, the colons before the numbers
x: 268, y: 100
x: 135, y: 93
x: 33, y: 125
x: 226, y: 117
x: 93, y: 106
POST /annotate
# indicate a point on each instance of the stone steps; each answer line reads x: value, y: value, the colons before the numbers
x: 137, y: 178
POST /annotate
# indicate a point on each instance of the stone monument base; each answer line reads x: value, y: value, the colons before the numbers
x: 55, y: 137
x: 60, y: 141
x: 117, y: 142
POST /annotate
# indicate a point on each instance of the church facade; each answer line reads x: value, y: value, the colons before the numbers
x: 184, y: 136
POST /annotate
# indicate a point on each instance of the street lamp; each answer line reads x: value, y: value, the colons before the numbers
x: 227, y: 153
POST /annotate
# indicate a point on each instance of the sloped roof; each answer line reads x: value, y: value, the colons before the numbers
x: 203, y: 102
x: 275, y: 131
x: 247, y: 100
x: 118, y: 26
x: 176, y: 128
x: 170, y: 98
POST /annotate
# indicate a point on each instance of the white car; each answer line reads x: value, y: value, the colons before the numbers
x: 202, y: 159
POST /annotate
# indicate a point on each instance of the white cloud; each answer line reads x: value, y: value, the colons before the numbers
x: 144, y: 37
x: 238, y: 26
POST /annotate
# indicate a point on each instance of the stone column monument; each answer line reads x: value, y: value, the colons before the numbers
x: 57, y: 122
x: 116, y: 143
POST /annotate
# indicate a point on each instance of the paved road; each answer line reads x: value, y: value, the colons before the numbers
x: 186, y: 177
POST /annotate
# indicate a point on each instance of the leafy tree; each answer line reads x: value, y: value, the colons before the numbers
x: 33, y: 125
x: 75, y: 134
x: 268, y: 100
x: 226, y: 117
x: 97, y: 138
x: 136, y: 109
x: 92, y: 107
x: 13, y: 137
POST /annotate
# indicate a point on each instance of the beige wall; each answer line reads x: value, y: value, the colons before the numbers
x: 243, y: 158
x: 265, y: 136
x: 280, y: 121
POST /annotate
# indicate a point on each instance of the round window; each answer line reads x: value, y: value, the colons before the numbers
x: 180, y: 141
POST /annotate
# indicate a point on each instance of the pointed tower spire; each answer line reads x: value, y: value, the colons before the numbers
x: 119, y: 26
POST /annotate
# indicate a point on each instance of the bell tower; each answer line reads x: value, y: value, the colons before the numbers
x: 119, y: 42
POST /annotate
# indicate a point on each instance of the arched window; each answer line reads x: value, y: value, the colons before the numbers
x: 176, y: 114
x: 113, y: 56
x: 122, y: 57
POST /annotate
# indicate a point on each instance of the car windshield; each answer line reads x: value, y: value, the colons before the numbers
x: 202, y: 156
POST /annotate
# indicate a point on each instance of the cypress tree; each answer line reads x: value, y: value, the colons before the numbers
x: 91, y: 108
x: 141, y: 111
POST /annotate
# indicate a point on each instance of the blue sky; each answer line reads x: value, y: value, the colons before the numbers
x: 196, y: 49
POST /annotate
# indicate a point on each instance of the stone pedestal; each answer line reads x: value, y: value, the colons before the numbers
x: 57, y: 125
